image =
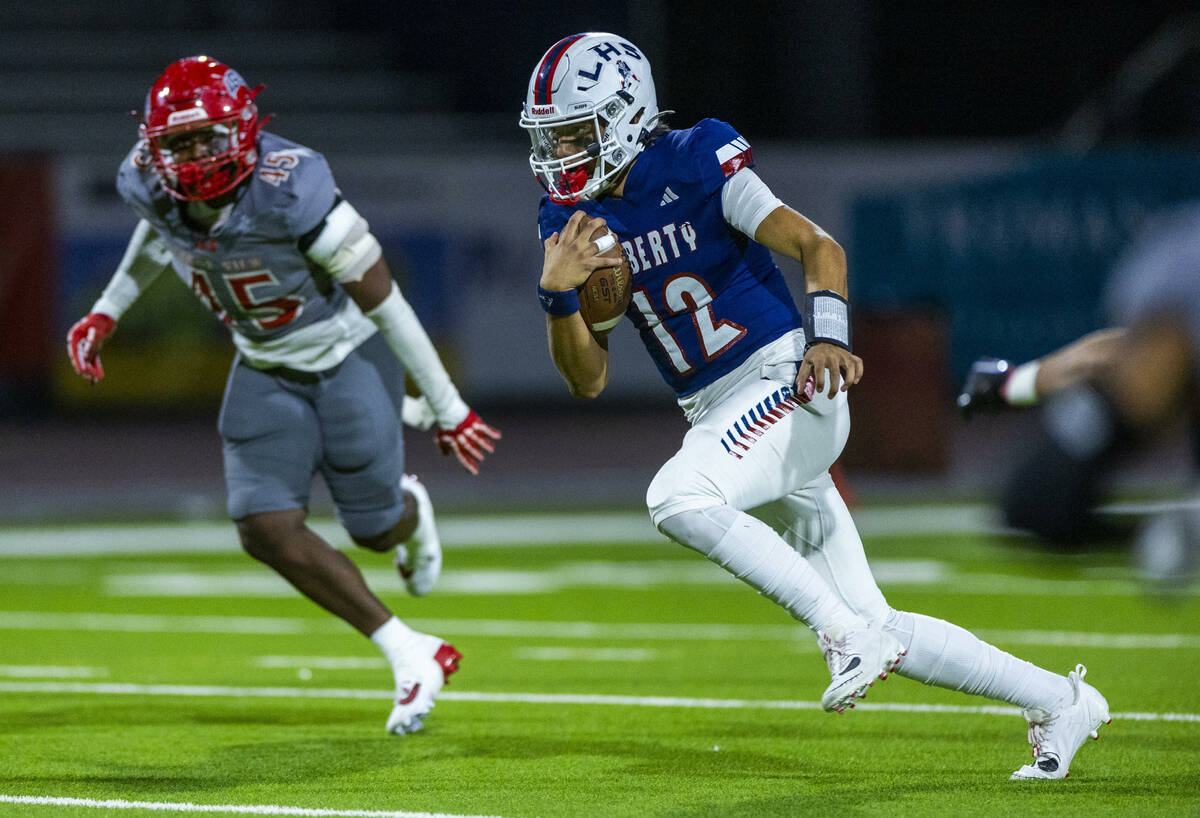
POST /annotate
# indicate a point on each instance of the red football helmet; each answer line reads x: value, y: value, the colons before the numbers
x: 201, y: 126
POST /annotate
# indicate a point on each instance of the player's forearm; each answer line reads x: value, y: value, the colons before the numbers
x: 578, y: 356
x: 824, y: 266
x: 1089, y: 357
x: 402, y: 330
x: 146, y: 256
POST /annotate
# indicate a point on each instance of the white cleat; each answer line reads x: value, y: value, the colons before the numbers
x: 856, y: 659
x: 418, y: 681
x: 1056, y: 737
x: 419, y: 559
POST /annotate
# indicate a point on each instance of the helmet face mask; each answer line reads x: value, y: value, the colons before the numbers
x: 201, y: 127
x: 195, y: 145
x: 567, y: 155
x: 588, y: 110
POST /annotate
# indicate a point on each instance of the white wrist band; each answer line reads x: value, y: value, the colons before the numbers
x: 1020, y: 387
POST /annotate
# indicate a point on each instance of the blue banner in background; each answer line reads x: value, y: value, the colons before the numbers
x: 1017, y: 261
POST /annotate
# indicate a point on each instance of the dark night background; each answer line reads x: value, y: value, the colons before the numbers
x: 938, y: 141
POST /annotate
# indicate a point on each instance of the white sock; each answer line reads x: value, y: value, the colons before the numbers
x: 945, y: 655
x: 753, y: 552
x: 394, y: 638
x: 1020, y: 389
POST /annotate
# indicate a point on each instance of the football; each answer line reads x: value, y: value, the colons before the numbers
x: 604, y: 297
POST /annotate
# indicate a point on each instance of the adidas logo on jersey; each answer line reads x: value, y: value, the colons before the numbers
x: 668, y: 197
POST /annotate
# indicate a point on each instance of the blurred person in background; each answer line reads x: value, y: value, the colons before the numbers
x: 750, y: 371
x: 255, y: 226
x: 1110, y: 394
x: 997, y: 384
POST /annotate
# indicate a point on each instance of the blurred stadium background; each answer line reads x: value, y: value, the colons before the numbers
x: 982, y: 163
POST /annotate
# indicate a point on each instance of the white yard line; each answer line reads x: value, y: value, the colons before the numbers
x: 533, y: 629
x: 223, y: 691
x: 493, y: 531
x: 536, y: 653
x: 200, y: 537
x: 226, y: 809
x: 944, y: 577
x: 51, y: 671
x: 505, y: 531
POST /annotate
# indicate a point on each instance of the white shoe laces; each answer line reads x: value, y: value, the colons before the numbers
x: 1042, y: 722
x: 835, y: 651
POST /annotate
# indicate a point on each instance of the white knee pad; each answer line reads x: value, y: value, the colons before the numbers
x: 750, y: 550
x: 678, y: 487
x: 700, y: 529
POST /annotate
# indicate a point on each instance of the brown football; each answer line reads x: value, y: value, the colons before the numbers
x: 604, y: 297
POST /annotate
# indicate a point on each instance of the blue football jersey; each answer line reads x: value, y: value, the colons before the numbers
x: 705, y: 296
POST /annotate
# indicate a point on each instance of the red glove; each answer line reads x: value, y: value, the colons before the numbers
x: 468, y: 441
x: 84, y: 341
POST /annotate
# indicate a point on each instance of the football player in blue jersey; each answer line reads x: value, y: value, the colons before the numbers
x: 761, y: 381
x: 255, y: 226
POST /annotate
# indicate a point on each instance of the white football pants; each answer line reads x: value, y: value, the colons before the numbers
x: 754, y: 446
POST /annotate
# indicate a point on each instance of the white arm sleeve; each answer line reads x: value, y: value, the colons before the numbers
x: 145, y: 258
x: 746, y: 201
x: 403, y: 332
x: 345, y: 246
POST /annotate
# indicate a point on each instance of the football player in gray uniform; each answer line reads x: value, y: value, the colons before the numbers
x: 257, y: 229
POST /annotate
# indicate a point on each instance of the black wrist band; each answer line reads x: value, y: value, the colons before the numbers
x: 827, y: 319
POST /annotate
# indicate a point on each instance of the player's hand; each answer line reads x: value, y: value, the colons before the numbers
x: 984, y: 387
x: 571, y: 255
x: 843, y: 367
x: 84, y: 341
x: 468, y: 441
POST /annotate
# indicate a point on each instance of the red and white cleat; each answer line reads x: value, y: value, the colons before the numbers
x: 419, y: 679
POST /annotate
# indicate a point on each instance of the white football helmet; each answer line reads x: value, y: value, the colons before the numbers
x: 588, y: 111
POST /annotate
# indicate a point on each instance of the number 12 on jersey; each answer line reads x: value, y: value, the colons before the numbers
x: 687, y: 293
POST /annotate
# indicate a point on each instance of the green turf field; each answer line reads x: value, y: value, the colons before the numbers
x: 607, y: 672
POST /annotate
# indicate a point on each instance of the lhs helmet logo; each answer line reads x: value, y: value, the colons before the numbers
x: 626, y: 73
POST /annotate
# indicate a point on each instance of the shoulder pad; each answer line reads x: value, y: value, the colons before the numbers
x: 716, y: 151
x: 294, y: 183
x: 138, y: 184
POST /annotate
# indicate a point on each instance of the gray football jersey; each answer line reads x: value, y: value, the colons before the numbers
x: 1161, y: 274
x: 249, y: 268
